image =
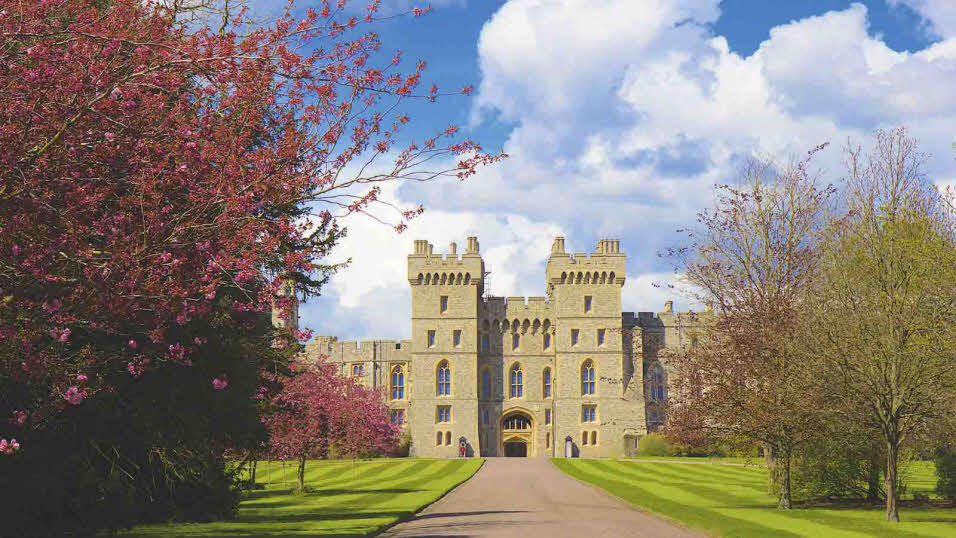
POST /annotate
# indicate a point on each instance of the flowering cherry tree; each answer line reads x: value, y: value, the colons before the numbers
x: 317, y: 409
x: 148, y: 166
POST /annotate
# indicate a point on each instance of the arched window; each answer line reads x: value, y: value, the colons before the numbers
x: 444, y: 379
x: 547, y: 383
x: 398, y: 383
x: 658, y: 388
x: 587, y: 377
x: 516, y: 422
x: 517, y: 381
x: 447, y: 438
x: 485, y: 384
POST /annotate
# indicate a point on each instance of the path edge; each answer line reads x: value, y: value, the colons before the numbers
x: 632, y: 505
x: 403, y: 519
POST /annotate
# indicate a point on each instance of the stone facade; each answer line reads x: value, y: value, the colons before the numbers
x: 516, y: 375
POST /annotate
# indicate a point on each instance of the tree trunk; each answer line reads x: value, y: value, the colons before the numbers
x: 784, y: 472
x: 892, y: 462
x: 873, y: 477
x: 252, y: 471
x: 301, y: 482
x: 771, y: 470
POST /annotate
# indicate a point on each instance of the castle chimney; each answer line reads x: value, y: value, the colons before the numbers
x: 453, y: 249
x: 669, y: 307
x: 472, y: 245
x: 558, y: 246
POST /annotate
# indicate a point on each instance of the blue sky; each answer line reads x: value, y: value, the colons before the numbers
x: 620, y: 115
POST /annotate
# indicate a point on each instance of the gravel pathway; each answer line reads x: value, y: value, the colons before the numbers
x: 529, y: 497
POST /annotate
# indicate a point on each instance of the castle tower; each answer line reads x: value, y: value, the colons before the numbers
x: 589, y: 360
x: 446, y: 294
x: 287, y: 290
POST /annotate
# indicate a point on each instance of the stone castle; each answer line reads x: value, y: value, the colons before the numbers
x: 569, y: 374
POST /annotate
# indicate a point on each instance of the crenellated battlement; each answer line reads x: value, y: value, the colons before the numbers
x: 606, y: 265
x: 428, y: 268
x: 357, y: 350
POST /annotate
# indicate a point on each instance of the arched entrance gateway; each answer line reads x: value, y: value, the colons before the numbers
x: 517, y: 434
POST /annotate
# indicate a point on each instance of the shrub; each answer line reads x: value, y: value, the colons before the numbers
x: 404, y: 445
x: 946, y: 473
x: 655, y: 444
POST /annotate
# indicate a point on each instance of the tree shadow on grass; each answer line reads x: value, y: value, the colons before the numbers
x: 703, y: 517
x: 810, y: 514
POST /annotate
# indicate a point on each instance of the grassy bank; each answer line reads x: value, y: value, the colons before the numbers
x: 731, y: 501
x: 345, y: 498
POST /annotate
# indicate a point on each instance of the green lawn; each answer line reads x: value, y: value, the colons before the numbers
x: 346, y: 498
x: 725, y: 460
x: 732, y: 501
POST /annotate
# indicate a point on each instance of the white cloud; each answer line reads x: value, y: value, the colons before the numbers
x: 626, y: 113
x: 940, y: 15
x: 372, y: 298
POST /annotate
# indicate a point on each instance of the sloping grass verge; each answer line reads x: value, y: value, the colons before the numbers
x: 732, y: 501
x: 345, y: 499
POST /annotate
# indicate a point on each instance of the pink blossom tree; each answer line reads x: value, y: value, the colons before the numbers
x: 317, y: 408
x: 149, y: 166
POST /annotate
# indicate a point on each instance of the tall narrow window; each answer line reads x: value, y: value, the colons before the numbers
x: 484, y: 342
x: 438, y: 438
x: 600, y: 336
x: 485, y: 384
x: 398, y: 416
x: 584, y: 438
x: 444, y: 379
x: 547, y: 440
x: 594, y: 437
x: 658, y: 392
x: 456, y: 338
x: 547, y: 340
x: 484, y: 417
x: 431, y: 338
x: 358, y: 370
x: 515, y: 340
x: 587, y: 304
x: 588, y: 413
x: 444, y: 413
x: 398, y: 383
x: 444, y: 304
x: 587, y: 377
x: 517, y: 381
x: 574, y: 337
x: 547, y: 416
x: 447, y: 438
x: 547, y: 383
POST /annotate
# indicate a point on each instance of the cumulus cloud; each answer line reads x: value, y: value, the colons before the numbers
x: 372, y: 298
x: 940, y: 15
x: 625, y: 114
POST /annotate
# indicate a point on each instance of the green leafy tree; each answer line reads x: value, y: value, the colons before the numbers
x: 753, y: 257
x: 884, y: 312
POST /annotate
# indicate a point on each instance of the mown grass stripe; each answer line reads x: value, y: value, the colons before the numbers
x: 733, y: 502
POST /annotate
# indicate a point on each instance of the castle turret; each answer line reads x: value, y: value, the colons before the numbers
x: 286, y: 314
x: 590, y: 362
x: 446, y: 295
